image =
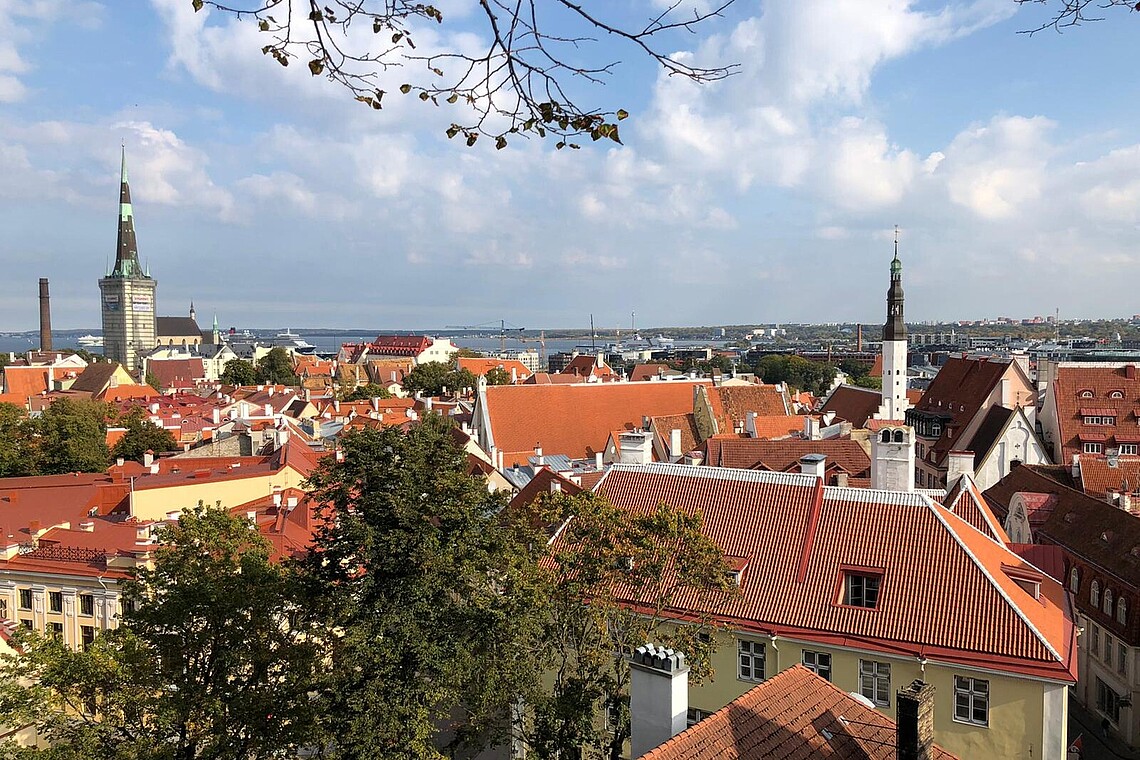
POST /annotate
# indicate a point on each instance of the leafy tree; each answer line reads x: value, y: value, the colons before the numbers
x: 796, y: 371
x: 433, y: 595
x: 869, y: 381
x: 142, y: 435
x: 152, y: 380
x: 71, y: 436
x: 367, y: 391
x: 467, y: 353
x: 18, y: 455
x: 604, y: 559
x: 514, y: 86
x: 239, y: 372
x: 431, y: 378
x: 206, y: 663
x: 497, y: 376
x: 276, y: 367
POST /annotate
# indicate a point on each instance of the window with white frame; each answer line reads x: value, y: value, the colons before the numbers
x: 1122, y: 659
x: 972, y: 700
x: 1107, y: 701
x: 875, y: 681
x: 694, y: 716
x: 1108, y: 602
x: 1108, y: 645
x: 1122, y: 611
x: 1075, y: 580
x: 1128, y: 449
x: 1094, y: 594
x: 1086, y: 394
x: 750, y: 660
x: 818, y: 663
x: 1093, y: 448
x: 1094, y: 641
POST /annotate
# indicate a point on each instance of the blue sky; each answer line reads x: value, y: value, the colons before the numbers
x: 1011, y: 163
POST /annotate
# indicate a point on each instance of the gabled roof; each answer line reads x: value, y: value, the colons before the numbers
x: 650, y: 371
x: 588, y: 365
x: 1070, y: 386
x: 853, y: 404
x: 1099, y: 475
x: 799, y: 536
x: 480, y: 366
x: 1092, y: 529
x: 733, y: 403
x: 96, y: 377
x: 966, y: 501
x: 793, y: 715
x: 987, y: 434
x: 577, y: 419
x: 782, y: 455
x: 176, y: 327
x: 176, y: 373
x: 664, y: 425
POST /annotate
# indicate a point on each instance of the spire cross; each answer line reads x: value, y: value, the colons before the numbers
x: 896, y: 241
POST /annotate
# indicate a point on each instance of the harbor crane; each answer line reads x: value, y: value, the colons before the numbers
x: 504, y: 328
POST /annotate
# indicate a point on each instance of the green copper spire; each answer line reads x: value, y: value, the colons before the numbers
x: 895, y: 327
x: 127, y: 254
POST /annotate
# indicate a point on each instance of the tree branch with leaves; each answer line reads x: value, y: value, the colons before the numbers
x: 519, y: 81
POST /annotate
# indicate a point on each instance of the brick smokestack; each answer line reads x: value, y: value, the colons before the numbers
x: 915, y: 732
x: 45, y: 316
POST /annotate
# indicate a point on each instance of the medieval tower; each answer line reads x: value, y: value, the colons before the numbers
x: 895, y: 402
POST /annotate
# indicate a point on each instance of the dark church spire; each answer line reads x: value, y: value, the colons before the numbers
x: 127, y: 254
x: 895, y: 327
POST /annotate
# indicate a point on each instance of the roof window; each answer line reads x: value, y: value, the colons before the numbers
x: 861, y: 588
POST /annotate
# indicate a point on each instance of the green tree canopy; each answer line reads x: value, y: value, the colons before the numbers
x: 71, y: 436
x: 239, y: 372
x: 206, y: 663
x: 796, y: 371
x: 498, y: 376
x: 18, y: 453
x: 276, y: 367
x: 142, y: 435
x: 431, y: 378
x: 367, y: 391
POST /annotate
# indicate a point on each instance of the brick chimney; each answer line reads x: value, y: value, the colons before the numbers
x: 45, y: 316
x: 914, y: 735
x: 658, y: 697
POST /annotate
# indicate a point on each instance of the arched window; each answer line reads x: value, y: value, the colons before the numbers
x: 885, y: 437
x: 1094, y: 595
x: 1086, y: 394
x: 1075, y: 580
x: 899, y: 436
x: 1108, y: 602
x: 1122, y: 611
x: 1116, y: 394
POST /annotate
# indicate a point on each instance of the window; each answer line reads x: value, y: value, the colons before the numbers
x: 1108, y: 602
x: 56, y: 629
x: 750, y: 660
x: 861, y: 590
x: 1075, y: 580
x: 875, y: 681
x: 26, y: 623
x: 1116, y: 394
x: 818, y: 663
x: 86, y: 604
x: 1093, y: 448
x: 25, y: 598
x: 88, y: 635
x: 1128, y: 449
x: 1107, y: 649
x: 1107, y: 701
x: 1094, y: 595
x: 1122, y: 660
x: 972, y: 700
x: 1122, y: 611
x: 1086, y: 394
x: 1094, y: 642
x: 695, y: 716
x: 55, y: 601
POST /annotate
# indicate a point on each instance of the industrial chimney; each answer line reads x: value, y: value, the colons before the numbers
x: 45, y: 316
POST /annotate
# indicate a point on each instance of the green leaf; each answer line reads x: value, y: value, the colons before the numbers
x: 263, y: 25
x: 405, y: 88
x: 454, y: 97
x: 197, y: 5
x: 500, y: 142
x: 316, y: 66
x: 622, y: 114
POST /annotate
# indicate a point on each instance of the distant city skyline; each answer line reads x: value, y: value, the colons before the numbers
x: 264, y: 194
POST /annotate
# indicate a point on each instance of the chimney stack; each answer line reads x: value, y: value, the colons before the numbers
x: 45, y: 316
x: 658, y: 697
x: 915, y: 732
x: 959, y: 463
x: 813, y: 464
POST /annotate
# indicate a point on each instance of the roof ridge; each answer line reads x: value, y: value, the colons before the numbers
x: 993, y: 582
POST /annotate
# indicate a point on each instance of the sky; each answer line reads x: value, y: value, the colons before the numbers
x: 1010, y: 163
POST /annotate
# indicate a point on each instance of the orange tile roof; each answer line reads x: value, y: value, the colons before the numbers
x: 664, y: 425
x: 480, y: 366
x: 577, y: 419
x: 966, y: 501
x: 587, y: 365
x: 1099, y: 477
x: 650, y: 371
x: 785, y: 455
x: 738, y: 400
x: 1071, y: 383
x: 779, y: 426
x: 800, y: 536
x: 853, y: 404
x: 794, y: 715
x: 124, y: 392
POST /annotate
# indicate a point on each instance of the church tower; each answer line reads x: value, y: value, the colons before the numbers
x: 127, y: 293
x: 894, y: 403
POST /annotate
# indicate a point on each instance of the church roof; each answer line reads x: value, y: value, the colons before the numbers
x: 127, y: 253
x: 176, y: 327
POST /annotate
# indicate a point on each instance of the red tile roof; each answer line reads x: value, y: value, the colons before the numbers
x: 738, y: 400
x: 177, y: 373
x: 479, y: 366
x: 587, y: 365
x: 577, y: 419
x: 800, y: 536
x: 650, y: 371
x: 399, y: 345
x: 664, y: 425
x: 965, y: 500
x: 794, y: 715
x: 1070, y: 386
x: 785, y: 455
x: 1099, y: 477
x: 853, y: 404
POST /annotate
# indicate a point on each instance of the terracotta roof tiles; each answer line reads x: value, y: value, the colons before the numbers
x: 853, y: 404
x: 1079, y: 389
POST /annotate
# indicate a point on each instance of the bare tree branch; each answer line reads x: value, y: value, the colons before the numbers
x: 518, y: 84
x: 1071, y: 13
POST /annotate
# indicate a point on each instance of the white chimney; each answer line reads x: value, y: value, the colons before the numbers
x: 217, y: 416
x: 959, y: 463
x: 555, y: 486
x: 539, y: 459
x: 87, y: 527
x: 269, y: 410
x: 811, y: 428
x: 658, y: 697
x: 675, y: 444
x: 814, y: 465
x: 599, y: 461
x: 148, y: 458
x: 636, y: 447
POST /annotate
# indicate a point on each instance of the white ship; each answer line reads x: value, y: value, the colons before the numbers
x: 91, y: 341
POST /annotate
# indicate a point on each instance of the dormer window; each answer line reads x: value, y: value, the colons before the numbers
x: 1085, y: 394
x: 1026, y: 580
x: 1116, y: 394
x: 736, y: 568
x: 861, y: 589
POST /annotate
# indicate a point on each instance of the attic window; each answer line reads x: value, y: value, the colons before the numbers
x: 861, y: 588
x: 1116, y: 394
x: 1070, y: 517
x: 1085, y: 394
x: 736, y: 568
x: 1106, y: 536
x: 1027, y: 581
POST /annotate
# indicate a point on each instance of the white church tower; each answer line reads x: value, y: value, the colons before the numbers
x: 895, y: 403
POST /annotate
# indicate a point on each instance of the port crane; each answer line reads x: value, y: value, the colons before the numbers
x: 504, y: 329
